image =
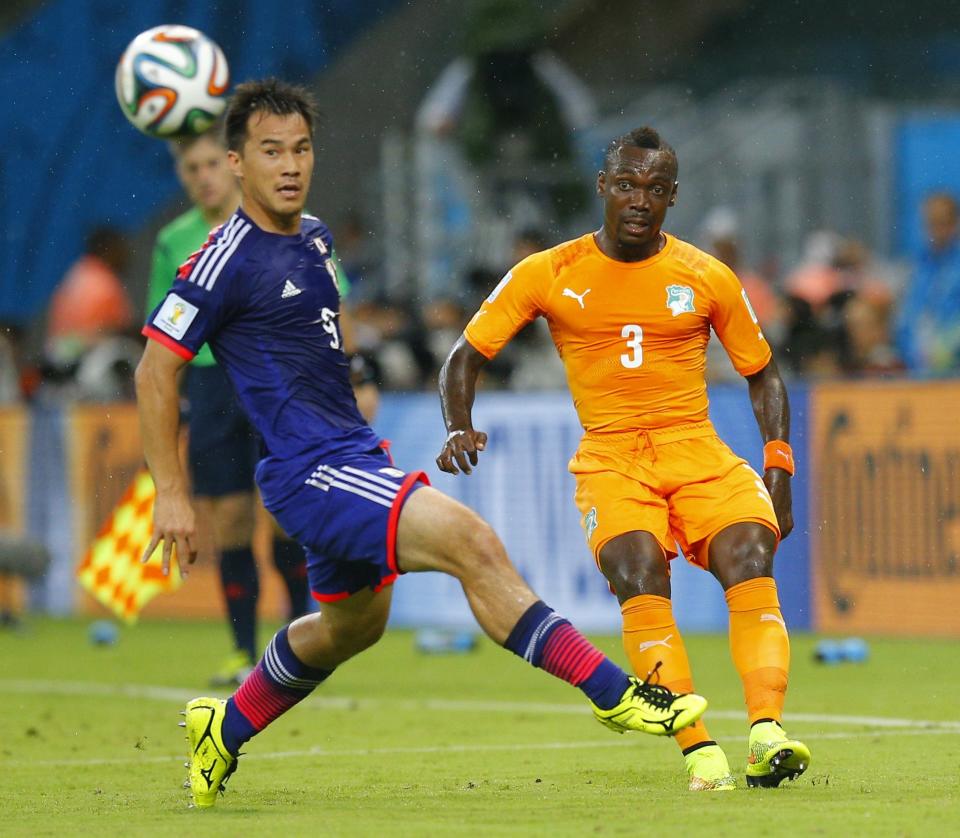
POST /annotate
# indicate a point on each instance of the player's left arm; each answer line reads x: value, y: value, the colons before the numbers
x: 771, y: 406
x: 736, y: 324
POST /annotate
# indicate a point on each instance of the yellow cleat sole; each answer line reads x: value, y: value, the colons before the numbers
x: 789, y: 761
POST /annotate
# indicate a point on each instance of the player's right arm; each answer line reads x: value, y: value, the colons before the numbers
x: 458, y: 388
x: 158, y: 403
x: 188, y: 315
x: 509, y: 307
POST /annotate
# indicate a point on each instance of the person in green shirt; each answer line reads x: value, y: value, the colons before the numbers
x: 223, y: 448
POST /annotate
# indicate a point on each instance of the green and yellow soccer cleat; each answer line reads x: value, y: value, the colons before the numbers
x: 233, y: 670
x: 651, y: 708
x: 211, y: 764
x: 708, y: 770
x: 773, y: 757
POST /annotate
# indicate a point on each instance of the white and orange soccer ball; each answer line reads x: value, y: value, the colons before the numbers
x: 172, y: 81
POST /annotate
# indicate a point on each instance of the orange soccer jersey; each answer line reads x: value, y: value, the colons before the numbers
x: 632, y: 335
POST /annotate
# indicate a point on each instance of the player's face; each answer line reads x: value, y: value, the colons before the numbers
x: 637, y: 189
x: 275, y: 168
x: 206, y: 177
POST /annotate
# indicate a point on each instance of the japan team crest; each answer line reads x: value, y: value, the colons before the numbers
x: 680, y: 299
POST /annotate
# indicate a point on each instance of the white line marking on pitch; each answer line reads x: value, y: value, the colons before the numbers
x: 180, y: 695
x: 438, y: 749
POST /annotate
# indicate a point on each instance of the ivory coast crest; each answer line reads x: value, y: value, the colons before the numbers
x: 680, y: 299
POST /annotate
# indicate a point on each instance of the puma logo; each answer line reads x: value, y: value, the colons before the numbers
x: 578, y: 297
x: 649, y: 644
x: 772, y: 618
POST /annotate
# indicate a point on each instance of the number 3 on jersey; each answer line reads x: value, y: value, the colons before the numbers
x: 634, y: 336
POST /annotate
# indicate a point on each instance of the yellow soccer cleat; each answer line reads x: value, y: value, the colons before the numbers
x: 211, y: 764
x: 651, y: 708
x: 233, y: 670
x: 773, y: 757
x: 709, y: 770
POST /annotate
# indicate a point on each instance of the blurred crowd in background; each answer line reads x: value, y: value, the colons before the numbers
x: 498, y: 148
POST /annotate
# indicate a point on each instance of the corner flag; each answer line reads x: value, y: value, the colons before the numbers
x: 111, y: 570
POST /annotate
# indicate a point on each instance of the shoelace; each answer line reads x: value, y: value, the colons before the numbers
x: 654, y: 694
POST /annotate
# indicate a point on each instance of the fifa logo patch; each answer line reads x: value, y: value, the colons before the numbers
x: 590, y: 522
x: 680, y: 299
x: 175, y: 316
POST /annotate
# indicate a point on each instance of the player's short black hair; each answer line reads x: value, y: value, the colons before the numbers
x: 645, y: 137
x: 269, y: 95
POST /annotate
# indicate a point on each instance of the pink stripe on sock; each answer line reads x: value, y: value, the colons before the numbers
x: 570, y: 656
x: 261, y: 701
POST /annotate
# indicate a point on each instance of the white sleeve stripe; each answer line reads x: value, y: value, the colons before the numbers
x: 212, y: 248
x: 217, y: 257
x: 216, y: 249
x: 216, y: 271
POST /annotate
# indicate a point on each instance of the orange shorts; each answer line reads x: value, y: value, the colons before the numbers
x: 681, y: 484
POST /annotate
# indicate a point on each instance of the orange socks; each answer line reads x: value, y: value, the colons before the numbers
x: 649, y: 635
x: 759, y: 646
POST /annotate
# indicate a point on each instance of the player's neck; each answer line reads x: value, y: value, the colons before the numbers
x: 269, y: 222
x: 623, y: 253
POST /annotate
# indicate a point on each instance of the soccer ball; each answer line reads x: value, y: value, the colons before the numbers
x: 171, y: 81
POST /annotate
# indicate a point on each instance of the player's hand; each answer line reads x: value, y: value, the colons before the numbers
x: 460, y: 451
x: 174, y: 523
x: 777, y: 482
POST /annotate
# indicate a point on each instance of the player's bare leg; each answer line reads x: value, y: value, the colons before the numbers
x: 438, y: 533
x: 636, y: 567
x: 741, y: 557
x: 341, y: 629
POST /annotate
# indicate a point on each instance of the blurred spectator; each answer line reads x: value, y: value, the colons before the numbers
x: 817, y: 278
x: 394, y: 336
x: 813, y: 340
x: 495, y: 149
x: 928, y: 329
x: 720, y: 236
x: 720, y: 233
x: 868, y: 345
x: 90, y: 303
x: 838, y: 311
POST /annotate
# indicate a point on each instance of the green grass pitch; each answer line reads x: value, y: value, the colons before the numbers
x: 398, y: 743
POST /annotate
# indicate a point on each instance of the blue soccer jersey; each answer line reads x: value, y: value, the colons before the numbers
x: 269, y: 305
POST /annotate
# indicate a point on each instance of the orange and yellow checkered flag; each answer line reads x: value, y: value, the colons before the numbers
x: 111, y: 570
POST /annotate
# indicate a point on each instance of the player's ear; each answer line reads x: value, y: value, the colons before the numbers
x: 601, y: 182
x: 233, y: 161
x: 673, y: 196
